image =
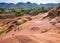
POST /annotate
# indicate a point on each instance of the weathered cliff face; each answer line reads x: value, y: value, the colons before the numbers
x: 36, y: 30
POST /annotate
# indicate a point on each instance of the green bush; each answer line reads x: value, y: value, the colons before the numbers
x: 20, y: 22
x: 17, y: 15
x: 24, y: 21
x: 2, y: 9
x: 3, y: 30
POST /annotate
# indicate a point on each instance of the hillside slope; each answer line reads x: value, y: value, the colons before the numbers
x: 42, y: 28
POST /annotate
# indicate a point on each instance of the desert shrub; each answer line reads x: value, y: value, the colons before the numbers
x: 15, y: 10
x: 42, y: 8
x: 4, y: 21
x: 26, y: 11
x: 39, y: 8
x: 20, y: 22
x: 3, y: 30
x: 17, y: 15
x: 2, y: 10
x: 34, y: 12
x: 49, y: 8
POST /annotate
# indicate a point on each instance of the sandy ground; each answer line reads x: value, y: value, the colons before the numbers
x: 34, y: 31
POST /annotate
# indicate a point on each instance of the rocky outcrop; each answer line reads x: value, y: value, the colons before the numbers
x: 54, y: 12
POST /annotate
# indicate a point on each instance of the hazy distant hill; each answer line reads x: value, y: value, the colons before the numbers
x: 25, y: 5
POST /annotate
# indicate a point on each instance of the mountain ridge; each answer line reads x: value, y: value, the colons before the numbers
x: 26, y: 5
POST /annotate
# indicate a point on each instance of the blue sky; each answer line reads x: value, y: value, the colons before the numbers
x: 33, y: 1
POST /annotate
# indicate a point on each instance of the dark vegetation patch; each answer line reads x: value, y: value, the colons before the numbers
x: 20, y: 22
x: 3, y: 30
x: 15, y: 12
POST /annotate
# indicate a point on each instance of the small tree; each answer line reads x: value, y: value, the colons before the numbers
x: 2, y: 9
x: 42, y: 8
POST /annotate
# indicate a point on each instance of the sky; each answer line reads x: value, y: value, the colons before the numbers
x: 32, y: 1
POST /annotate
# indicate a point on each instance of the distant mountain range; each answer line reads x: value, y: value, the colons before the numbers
x: 26, y: 5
